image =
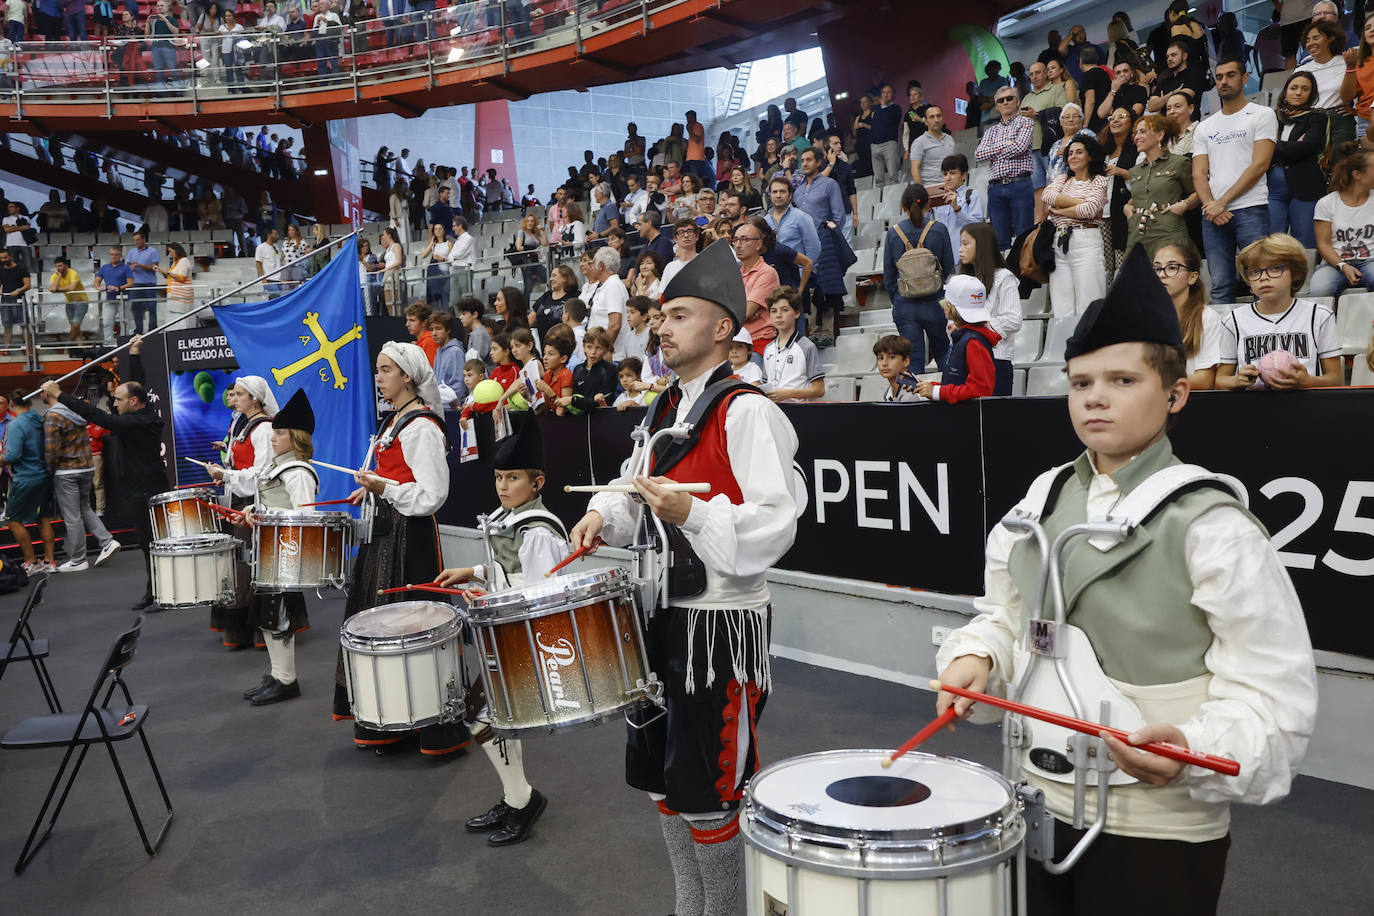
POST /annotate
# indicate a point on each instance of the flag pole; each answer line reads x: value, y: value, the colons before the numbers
x: 200, y: 308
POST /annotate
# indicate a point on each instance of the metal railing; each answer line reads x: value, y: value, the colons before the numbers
x: 200, y: 68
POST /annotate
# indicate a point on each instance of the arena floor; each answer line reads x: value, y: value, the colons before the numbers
x: 277, y: 812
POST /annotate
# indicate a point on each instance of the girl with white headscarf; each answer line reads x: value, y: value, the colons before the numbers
x: 410, y: 483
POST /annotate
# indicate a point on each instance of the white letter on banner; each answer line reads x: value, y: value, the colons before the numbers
x: 823, y: 495
x: 862, y: 494
x: 908, y: 484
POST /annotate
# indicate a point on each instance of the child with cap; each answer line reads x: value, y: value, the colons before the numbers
x: 1189, y: 623
x: 970, y: 372
x: 741, y: 353
x: 523, y: 542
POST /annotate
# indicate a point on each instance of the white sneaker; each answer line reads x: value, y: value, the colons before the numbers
x: 72, y: 566
x: 107, y: 551
x: 35, y: 567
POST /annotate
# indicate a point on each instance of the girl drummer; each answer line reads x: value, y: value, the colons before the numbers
x: 289, y: 483
x: 250, y: 450
x: 411, y: 480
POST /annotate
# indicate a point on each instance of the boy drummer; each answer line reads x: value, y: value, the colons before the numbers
x: 1192, y: 618
x: 525, y: 541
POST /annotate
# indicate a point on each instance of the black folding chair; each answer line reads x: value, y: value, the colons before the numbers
x: 95, y: 724
x: 24, y: 647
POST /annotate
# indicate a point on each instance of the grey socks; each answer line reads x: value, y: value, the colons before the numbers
x: 691, y: 899
x: 718, y: 852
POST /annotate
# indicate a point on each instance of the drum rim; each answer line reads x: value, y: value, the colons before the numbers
x: 915, y: 852
x: 273, y: 518
x: 404, y: 644
x: 548, y: 728
x: 176, y: 496
x: 588, y: 586
x: 209, y: 543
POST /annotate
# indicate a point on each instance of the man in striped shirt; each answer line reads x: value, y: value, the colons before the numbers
x: 1006, y: 148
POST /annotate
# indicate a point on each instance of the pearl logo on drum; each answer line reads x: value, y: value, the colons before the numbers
x: 288, y: 546
x: 551, y: 658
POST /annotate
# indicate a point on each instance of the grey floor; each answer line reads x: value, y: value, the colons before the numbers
x: 276, y: 812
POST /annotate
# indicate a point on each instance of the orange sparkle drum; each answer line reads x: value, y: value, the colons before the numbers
x: 183, y: 514
x: 301, y: 551
x: 563, y: 652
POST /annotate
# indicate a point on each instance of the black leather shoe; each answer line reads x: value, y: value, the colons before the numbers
x: 143, y: 603
x: 267, y: 681
x: 519, y: 822
x: 486, y: 823
x: 276, y: 692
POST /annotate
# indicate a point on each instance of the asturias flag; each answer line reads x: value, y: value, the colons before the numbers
x: 312, y: 338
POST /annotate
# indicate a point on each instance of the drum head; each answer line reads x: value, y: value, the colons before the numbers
x: 395, y: 621
x: 848, y: 793
x: 560, y: 591
x: 271, y: 517
x: 200, y: 543
x: 174, y: 496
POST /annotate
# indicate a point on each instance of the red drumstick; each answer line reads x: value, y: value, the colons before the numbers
x: 198, y: 486
x: 329, y: 502
x: 426, y: 587
x: 576, y: 554
x: 921, y: 736
x: 231, y: 514
x: 1223, y: 765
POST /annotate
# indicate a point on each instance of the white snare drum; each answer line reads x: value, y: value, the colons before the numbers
x: 195, y: 571
x: 834, y: 833
x: 301, y: 551
x: 403, y: 664
x: 563, y: 652
x: 183, y: 513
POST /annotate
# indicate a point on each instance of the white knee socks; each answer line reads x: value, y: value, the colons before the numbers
x: 282, y: 654
x: 511, y: 770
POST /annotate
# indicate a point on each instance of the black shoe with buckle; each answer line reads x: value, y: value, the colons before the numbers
x: 267, y: 681
x: 493, y: 818
x: 519, y: 822
x: 276, y: 692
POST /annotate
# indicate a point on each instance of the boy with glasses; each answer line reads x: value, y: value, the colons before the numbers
x: 1006, y: 148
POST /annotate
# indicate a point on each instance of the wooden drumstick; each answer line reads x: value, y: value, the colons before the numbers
x: 350, y: 471
x: 921, y: 736
x: 204, y: 464
x: 427, y: 587
x: 1222, y: 765
x: 628, y: 488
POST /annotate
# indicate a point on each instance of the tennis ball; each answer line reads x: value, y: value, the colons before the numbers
x: 649, y: 397
x: 518, y: 402
x: 487, y: 391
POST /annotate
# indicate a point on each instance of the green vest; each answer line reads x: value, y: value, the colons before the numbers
x: 272, y: 493
x: 506, y: 541
x: 1134, y: 600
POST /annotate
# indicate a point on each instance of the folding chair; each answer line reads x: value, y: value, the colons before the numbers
x: 95, y: 724
x: 24, y: 647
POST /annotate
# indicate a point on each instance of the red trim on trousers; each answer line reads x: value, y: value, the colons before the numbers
x: 665, y: 810
x: 439, y: 752
x: 719, y: 835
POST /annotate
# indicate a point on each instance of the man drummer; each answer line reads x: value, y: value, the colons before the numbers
x: 710, y: 643
x: 138, y: 429
x: 1192, y: 618
x: 524, y: 541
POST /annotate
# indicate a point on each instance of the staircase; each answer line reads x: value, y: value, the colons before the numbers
x: 737, y: 89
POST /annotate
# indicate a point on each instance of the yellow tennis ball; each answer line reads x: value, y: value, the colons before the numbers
x: 487, y: 391
x: 649, y: 397
x: 518, y: 402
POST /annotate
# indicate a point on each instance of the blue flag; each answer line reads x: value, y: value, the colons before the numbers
x: 313, y: 339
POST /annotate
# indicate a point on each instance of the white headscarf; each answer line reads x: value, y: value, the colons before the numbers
x: 413, y: 362
x: 257, y: 388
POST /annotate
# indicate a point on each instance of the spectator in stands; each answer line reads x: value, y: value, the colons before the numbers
x: 1093, y: 88
x: 919, y: 319
x: 547, y: 312
x: 448, y: 359
x: 294, y: 249
x: 706, y: 204
x: 1042, y: 102
x: 14, y: 285
x: 74, y: 19
x: 794, y: 116
x: 1182, y: 110
x: 594, y: 381
x: 930, y: 148
x: 686, y: 244
x: 16, y: 227
x: 328, y: 32
x: 492, y: 198
x: 478, y: 337
x: 970, y: 370
x: 646, y: 278
x: 16, y: 20
x: 1016, y: 75
x: 1182, y: 75
x: 273, y: 21
x: 1357, y: 89
x: 635, y: 200
x: 992, y: 81
x: 1275, y: 267
x: 574, y: 233
x: 1006, y: 148
x: 1071, y: 124
x: 619, y: 242
x: 442, y: 212
x: 369, y: 275
x: 322, y: 252
x: 1321, y: 10
x: 512, y: 309
x: 1070, y: 49
x: 1058, y: 76
x: 979, y: 257
x: 232, y: 59
x: 295, y: 36
x: 739, y: 184
x: 1178, y: 268
x: 1344, y: 227
x: 1325, y: 40
x: 791, y: 138
x: 1231, y: 154
x: 883, y: 138
x: 729, y: 211
x: 792, y: 364
x: 892, y: 353
x: 530, y: 239
x: 1077, y: 203
x: 685, y: 203
x: 30, y: 493
x: 1293, y: 17
x: 836, y: 166
x: 162, y: 28
x: 417, y: 326
x: 47, y: 19
x: 266, y: 259
x: 143, y: 259
x: 114, y: 277
x: 818, y: 196
x: 461, y: 258
x: 155, y: 218
x: 53, y: 214
x: 435, y: 257
x: 1119, y: 152
x: 68, y: 282
x: 1295, y: 179
x: 606, y: 303
x: 760, y: 280
x: 793, y: 228
x: 956, y: 204
x: 1161, y: 188
x: 654, y: 240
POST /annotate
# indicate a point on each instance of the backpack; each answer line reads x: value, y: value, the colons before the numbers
x: 918, y: 269
x: 12, y: 576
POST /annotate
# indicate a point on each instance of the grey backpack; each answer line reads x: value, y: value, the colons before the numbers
x: 918, y: 269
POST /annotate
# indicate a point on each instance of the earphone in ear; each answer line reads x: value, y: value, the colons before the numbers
x: 1172, y: 398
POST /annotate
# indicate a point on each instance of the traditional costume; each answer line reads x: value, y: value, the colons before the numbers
x: 1190, y: 620
x: 287, y: 483
x: 250, y: 452
x: 411, y: 449
x: 709, y: 644
x: 523, y: 544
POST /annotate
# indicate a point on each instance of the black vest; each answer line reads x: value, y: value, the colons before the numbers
x: 956, y: 370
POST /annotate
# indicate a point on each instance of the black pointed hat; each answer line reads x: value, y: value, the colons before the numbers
x: 523, y: 448
x: 712, y: 275
x: 1136, y: 308
x: 297, y: 414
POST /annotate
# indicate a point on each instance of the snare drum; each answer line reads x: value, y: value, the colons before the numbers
x: 402, y: 663
x: 301, y: 551
x: 835, y: 833
x: 195, y: 571
x: 183, y: 513
x: 564, y: 652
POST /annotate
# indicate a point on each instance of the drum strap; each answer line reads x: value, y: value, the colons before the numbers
x: 248, y: 426
x: 390, y: 432
x: 282, y: 468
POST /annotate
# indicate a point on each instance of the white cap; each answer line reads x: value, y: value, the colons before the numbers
x: 744, y: 337
x: 968, y: 296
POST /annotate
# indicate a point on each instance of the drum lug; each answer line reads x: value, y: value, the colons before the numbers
x: 651, y: 690
x: 1039, y: 824
x: 453, y: 707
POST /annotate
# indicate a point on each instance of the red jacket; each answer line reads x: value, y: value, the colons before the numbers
x: 970, y: 372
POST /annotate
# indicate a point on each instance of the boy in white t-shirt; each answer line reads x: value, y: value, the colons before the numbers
x: 893, y: 353
x: 634, y: 339
x: 1231, y: 154
x: 1277, y: 321
x: 629, y: 370
x: 792, y: 364
x: 575, y: 317
x: 741, y: 349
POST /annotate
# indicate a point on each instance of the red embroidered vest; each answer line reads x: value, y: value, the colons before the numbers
x: 242, y: 449
x: 709, y: 461
x: 391, y: 458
